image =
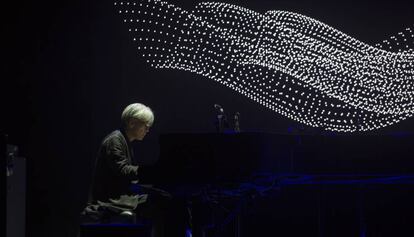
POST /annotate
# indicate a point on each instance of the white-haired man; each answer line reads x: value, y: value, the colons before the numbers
x: 114, y: 170
x: 111, y: 193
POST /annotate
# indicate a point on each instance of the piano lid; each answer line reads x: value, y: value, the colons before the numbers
x: 201, y: 158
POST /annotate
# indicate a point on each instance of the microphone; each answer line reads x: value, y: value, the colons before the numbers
x: 236, y: 116
x: 221, y: 121
x: 217, y: 106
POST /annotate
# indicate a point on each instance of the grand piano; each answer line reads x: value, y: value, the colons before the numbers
x: 217, y: 157
x: 298, y: 180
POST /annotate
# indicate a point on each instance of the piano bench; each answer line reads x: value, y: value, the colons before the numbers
x: 115, y: 230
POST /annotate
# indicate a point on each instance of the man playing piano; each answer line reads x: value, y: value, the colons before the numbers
x: 114, y: 172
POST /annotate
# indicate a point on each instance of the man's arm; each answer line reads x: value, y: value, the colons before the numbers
x: 118, y: 160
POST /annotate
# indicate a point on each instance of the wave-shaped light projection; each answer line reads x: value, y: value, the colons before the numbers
x: 294, y: 65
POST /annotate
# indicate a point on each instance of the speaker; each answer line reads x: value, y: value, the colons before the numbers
x: 16, y: 196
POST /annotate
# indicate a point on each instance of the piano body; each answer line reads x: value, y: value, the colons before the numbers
x: 214, y: 157
x: 313, y: 176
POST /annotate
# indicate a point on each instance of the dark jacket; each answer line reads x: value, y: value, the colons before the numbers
x: 113, y: 175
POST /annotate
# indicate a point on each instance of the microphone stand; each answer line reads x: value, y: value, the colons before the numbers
x: 237, y: 122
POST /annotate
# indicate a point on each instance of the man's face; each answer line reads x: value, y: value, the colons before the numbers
x: 138, y: 130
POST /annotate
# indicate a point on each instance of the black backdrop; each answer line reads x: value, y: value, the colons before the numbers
x: 71, y: 68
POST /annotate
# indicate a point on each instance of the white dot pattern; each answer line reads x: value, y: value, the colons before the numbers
x: 292, y: 64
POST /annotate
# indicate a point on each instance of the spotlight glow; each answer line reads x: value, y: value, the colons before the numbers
x: 292, y: 64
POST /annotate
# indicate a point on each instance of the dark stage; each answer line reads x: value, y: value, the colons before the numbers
x: 318, y: 99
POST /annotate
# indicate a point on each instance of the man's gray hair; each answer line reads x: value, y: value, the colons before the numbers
x: 138, y: 111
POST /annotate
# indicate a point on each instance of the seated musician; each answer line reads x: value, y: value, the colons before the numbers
x: 111, y: 192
